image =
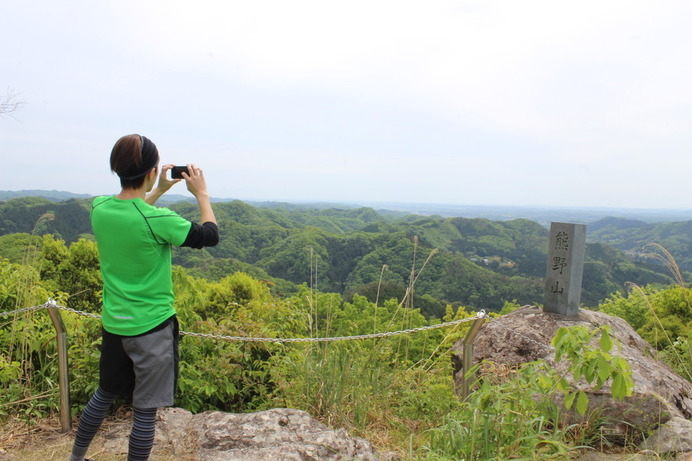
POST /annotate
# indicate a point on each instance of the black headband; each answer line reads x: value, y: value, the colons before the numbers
x: 150, y: 157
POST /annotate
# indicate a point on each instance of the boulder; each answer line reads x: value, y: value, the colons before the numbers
x: 676, y: 433
x: 525, y: 335
x: 278, y: 434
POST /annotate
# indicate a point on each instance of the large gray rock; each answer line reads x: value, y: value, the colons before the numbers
x: 279, y: 434
x: 525, y: 335
x: 676, y: 433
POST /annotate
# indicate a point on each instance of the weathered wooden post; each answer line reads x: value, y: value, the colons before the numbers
x: 565, y: 267
x: 467, y: 359
x: 64, y: 381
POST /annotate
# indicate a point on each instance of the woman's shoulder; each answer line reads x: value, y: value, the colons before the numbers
x: 153, y: 211
x: 100, y: 200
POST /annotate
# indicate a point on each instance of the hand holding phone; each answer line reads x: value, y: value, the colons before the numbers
x: 177, y: 172
x: 195, y: 182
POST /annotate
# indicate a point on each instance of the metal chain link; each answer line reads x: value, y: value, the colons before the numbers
x: 21, y: 311
x: 479, y: 315
x: 82, y: 313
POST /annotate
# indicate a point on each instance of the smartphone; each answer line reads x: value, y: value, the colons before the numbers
x: 176, y: 172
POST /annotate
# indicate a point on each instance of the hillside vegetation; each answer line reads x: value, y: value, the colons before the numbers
x: 396, y: 391
x: 294, y: 273
x: 472, y: 262
x: 633, y: 237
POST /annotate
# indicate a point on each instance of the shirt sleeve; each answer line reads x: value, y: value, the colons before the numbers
x: 169, y: 228
x: 206, y: 235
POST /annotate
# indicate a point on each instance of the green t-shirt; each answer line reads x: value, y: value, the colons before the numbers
x: 134, y: 242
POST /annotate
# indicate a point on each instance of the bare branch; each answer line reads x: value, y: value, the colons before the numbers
x: 10, y: 103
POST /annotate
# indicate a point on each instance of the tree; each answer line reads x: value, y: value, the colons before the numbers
x: 53, y: 253
x: 10, y: 103
x: 79, y: 276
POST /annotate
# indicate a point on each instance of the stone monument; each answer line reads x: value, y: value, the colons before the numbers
x: 565, y: 267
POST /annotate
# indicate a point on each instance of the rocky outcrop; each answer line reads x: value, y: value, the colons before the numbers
x: 675, y: 433
x: 660, y: 395
x: 278, y: 434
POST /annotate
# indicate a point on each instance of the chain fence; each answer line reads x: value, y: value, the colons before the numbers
x: 51, y: 303
x: 53, y: 311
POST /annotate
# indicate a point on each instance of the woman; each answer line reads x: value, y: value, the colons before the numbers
x: 139, y: 352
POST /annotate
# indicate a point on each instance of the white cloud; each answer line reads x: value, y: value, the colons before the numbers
x: 343, y: 93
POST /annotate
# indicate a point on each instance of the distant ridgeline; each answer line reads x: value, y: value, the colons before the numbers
x: 52, y: 195
x: 480, y: 263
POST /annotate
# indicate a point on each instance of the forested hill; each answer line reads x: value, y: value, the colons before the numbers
x: 634, y: 237
x: 477, y: 262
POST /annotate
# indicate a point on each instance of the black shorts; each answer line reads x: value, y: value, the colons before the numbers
x: 144, y: 367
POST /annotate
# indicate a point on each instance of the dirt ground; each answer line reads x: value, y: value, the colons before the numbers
x: 46, y: 442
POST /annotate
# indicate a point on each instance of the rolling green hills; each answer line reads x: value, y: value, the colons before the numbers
x: 475, y: 262
x: 635, y: 238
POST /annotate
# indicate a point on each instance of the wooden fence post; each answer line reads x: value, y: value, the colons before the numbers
x: 64, y: 382
x: 467, y: 358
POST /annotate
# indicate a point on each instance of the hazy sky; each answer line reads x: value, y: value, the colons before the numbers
x: 507, y: 102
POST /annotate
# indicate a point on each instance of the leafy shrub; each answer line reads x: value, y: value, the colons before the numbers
x: 516, y: 417
x: 663, y: 317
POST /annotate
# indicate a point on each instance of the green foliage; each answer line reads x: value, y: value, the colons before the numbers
x: 481, y: 263
x: 38, y: 216
x: 399, y: 385
x: 28, y: 371
x: 633, y: 236
x: 14, y: 247
x: 52, y: 256
x: 509, y: 307
x: 504, y: 420
x: 225, y: 375
x: 678, y: 355
x: 663, y: 317
x: 215, y: 269
x: 79, y: 276
x: 516, y: 417
x: 607, y: 270
x: 670, y: 316
x: 62, y: 271
x: 633, y: 309
x: 396, y: 381
x: 591, y: 364
x: 227, y: 295
x: 84, y: 339
x: 301, y: 257
x: 20, y: 286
